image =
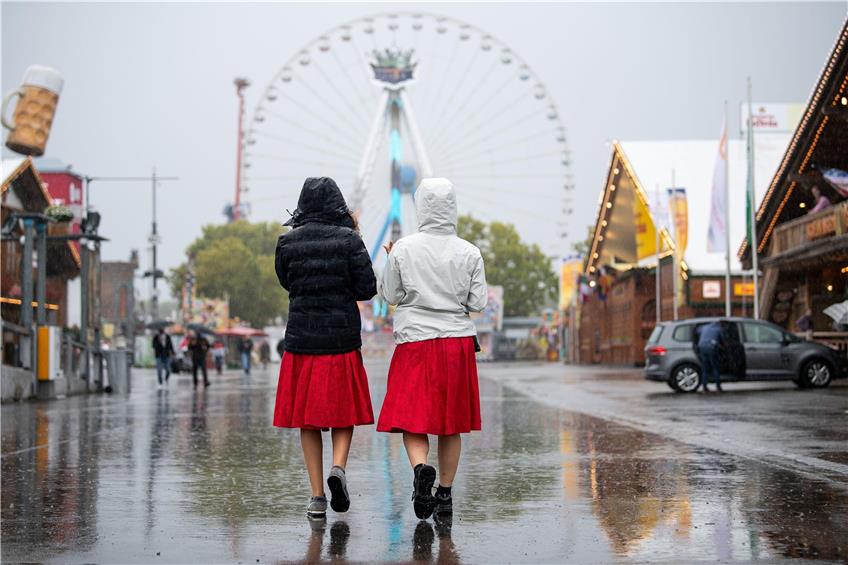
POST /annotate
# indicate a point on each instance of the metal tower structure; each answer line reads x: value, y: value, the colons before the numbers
x: 393, y: 71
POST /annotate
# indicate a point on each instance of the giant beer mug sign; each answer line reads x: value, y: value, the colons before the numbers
x: 38, y: 96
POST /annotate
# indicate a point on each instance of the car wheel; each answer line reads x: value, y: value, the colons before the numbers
x: 816, y: 373
x: 685, y: 378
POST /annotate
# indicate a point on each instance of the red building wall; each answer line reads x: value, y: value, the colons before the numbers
x: 67, y: 189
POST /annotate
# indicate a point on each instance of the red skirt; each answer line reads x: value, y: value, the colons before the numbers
x: 432, y: 388
x: 322, y: 391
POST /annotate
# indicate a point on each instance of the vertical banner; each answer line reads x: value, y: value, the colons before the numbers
x: 717, y: 231
x: 646, y: 231
x: 679, y: 207
x: 570, y: 270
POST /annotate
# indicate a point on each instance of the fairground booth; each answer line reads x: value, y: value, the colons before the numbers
x: 655, y: 209
x: 802, y: 222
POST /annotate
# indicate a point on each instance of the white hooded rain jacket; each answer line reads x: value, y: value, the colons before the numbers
x: 434, y: 277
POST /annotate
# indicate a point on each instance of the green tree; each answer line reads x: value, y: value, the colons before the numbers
x: 582, y: 247
x: 236, y: 261
x: 524, y: 271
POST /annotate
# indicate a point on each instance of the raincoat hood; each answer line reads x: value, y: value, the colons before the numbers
x: 321, y: 201
x: 435, y: 205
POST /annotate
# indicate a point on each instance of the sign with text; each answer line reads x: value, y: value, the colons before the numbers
x: 711, y: 289
x: 743, y: 289
x: 774, y: 118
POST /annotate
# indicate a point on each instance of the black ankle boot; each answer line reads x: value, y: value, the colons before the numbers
x: 422, y: 491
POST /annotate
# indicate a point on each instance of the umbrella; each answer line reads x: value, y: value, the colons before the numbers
x: 201, y: 329
x: 159, y: 324
x: 241, y: 331
x: 838, y: 311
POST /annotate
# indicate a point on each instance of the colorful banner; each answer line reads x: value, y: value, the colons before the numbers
x: 717, y: 231
x: 679, y: 208
x: 646, y: 232
x: 568, y: 279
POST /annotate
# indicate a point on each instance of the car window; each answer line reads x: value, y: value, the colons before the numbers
x: 761, y: 333
x: 655, y: 335
x: 683, y: 333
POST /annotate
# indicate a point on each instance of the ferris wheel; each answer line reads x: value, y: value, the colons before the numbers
x: 380, y: 102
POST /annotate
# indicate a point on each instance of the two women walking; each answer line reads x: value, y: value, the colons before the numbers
x: 434, y: 279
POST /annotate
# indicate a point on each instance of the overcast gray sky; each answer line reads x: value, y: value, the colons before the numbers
x: 151, y: 84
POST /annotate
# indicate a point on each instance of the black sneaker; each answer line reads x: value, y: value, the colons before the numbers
x: 444, y: 502
x: 340, y: 500
x: 422, y: 491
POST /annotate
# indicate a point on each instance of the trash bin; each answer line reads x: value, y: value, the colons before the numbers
x: 118, y: 370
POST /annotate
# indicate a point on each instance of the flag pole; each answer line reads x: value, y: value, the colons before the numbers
x: 675, y: 257
x: 657, y: 230
x: 724, y: 141
x: 752, y: 219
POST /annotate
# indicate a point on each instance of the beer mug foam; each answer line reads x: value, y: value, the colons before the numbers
x: 33, y: 115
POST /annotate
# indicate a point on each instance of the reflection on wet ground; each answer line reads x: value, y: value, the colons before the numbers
x: 184, y: 476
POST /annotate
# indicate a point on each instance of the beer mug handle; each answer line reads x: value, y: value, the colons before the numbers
x: 6, y: 100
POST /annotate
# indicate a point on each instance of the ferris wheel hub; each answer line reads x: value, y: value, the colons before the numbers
x: 393, y: 68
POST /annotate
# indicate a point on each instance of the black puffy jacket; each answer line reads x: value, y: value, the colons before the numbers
x: 324, y: 265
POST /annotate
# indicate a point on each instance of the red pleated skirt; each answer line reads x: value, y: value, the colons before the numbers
x: 432, y: 388
x: 322, y: 391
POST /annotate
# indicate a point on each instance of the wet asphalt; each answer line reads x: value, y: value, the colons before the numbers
x: 574, y: 465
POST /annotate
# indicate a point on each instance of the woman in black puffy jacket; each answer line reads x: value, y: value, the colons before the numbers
x: 324, y: 265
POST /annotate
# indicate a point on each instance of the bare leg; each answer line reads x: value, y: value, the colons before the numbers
x: 417, y: 447
x: 313, y: 456
x: 341, y: 445
x: 449, y: 450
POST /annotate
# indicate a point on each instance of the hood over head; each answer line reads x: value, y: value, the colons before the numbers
x: 435, y: 205
x: 321, y: 201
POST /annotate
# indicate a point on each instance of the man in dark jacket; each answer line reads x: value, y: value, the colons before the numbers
x: 324, y: 279
x: 710, y: 343
x: 163, y: 349
x: 245, y: 349
x: 197, y: 347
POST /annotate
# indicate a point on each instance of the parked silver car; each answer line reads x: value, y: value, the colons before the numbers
x: 754, y: 351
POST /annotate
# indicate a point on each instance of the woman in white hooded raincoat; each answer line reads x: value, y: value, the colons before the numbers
x: 435, y: 279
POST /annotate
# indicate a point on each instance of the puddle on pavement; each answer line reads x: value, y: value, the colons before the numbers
x: 179, y: 476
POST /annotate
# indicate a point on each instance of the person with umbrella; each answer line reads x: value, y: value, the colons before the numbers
x: 198, y: 347
x: 163, y: 349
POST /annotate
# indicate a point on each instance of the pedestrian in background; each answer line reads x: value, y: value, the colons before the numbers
x: 265, y: 353
x: 198, y: 347
x: 435, y: 279
x: 710, y: 349
x: 324, y: 265
x: 245, y: 349
x: 218, y: 353
x: 163, y: 350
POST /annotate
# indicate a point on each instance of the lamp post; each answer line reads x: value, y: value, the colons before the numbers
x: 154, y: 272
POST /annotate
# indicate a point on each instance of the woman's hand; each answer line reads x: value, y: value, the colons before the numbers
x: 388, y: 247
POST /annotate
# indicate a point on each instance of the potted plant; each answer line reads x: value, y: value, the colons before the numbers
x: 60, y: 215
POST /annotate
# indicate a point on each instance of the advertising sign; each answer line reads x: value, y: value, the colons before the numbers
x: 646, y: 232
x: 771, y: 118
x: 711, y: 289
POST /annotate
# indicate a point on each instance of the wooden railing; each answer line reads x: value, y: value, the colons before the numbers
x: 801, y: 231
x: 839, y: 340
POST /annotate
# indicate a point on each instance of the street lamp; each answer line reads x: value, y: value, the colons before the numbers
x: 155, y: 273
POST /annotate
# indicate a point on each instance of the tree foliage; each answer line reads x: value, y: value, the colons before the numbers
x: 236, y: 261
x: 523, y: 270
x: 582, y: 246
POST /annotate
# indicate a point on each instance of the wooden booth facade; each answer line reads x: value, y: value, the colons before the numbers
x: 804, y: 254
